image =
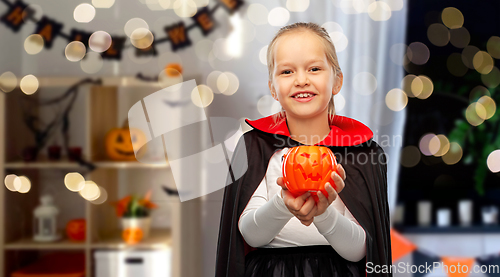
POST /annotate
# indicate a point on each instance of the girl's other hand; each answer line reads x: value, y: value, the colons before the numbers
x: 324, y: 202
x: 303, y: 207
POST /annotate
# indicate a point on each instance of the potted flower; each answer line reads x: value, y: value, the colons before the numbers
x: 135, y: 216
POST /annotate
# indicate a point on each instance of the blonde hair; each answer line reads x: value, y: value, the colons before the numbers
x: 330, y: 52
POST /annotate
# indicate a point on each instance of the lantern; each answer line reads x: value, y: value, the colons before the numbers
x: 45, y: 220
x: 308, y: 169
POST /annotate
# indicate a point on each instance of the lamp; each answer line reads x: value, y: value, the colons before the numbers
x: 45, y: 219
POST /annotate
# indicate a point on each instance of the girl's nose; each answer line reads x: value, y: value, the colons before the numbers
x: 301, y: 79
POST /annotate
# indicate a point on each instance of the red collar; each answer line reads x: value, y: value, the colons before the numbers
x: 344, y: 131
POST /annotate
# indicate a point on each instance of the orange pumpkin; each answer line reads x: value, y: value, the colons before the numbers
x: 308, y: 169
x: 120, y: 143
x: 173, y: 70
x: 76, y: 229
x: 132, y: 235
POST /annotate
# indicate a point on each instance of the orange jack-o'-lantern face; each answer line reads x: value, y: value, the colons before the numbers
x: 75, y: 229
x: 132, y: 235
x: 120, y: 143
x: 308, y: 169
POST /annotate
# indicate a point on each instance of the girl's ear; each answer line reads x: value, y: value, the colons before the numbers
x: 339, y: 80
x: 273, y: 91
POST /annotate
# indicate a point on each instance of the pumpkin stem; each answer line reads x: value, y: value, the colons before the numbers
x: 125, y: 124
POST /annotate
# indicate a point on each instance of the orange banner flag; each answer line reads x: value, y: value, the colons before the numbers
x: 400, y: 245
x: 457, y: 266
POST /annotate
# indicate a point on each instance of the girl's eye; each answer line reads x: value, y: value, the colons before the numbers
x: 315, y: 69
x: 286, y: 72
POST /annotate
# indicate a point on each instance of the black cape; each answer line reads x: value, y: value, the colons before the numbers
x: 365, y: 192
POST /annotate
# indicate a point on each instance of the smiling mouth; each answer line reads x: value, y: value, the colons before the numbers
x: 125, y: 153
x: 303, y: 95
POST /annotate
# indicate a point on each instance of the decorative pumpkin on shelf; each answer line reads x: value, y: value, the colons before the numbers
x: 120, y: 143
x: 75, y: 229
x: 308, y: 169
x: 132, y: 235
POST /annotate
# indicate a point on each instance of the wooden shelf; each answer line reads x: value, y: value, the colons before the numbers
x: 158, y: 239
x: 75, y: 165
x: 30, y: 244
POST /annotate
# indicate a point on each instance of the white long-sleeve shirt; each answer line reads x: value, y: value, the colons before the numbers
x: 266, y: 221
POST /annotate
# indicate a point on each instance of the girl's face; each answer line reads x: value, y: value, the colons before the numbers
x: 303, y: 80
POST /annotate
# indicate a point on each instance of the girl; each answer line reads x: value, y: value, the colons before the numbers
x: 264, y: 230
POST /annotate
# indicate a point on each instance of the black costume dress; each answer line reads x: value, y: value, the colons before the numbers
x: 365, y: 192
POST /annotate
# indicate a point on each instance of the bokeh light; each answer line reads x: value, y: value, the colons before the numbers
x: 278, y: 16
x: 8, y: 81
x: 90, y: 191
x: 406, y: 84
x: 257, y: 14
x: 489, y: 106
x: 478, y: 92
x: 33, y: 44
x: 297, y: 5
x: 454, y: 154
x: 165, y: 4
x: 468, y: 55
x: 493, y: 161
x: 438, y: 34
x: 459, y: 37
x: 419, y: 53
x: 267, y: 105
x: 203, y: 48
x: 396, y: 99
x: 74, y: 181
x: 100, y: 41
x: 29, y: 84
x: 9, y: 182
x: 410, y: 156
x: 331, y: 27
x: 444, y: 145
x: 92, y: 63
x: 103, y: 196
x: 475, y: 114
x: 212, y: 80
x: 141, y: 38
x: 483, y: 62
x: 425, y: 147
x: 339, y: 101
x: 133, y: 24
x: 492, y: 79
x: 233, y: 83
x: 222, y: 82
x: 417, y: 86
x: 452, y: 18
x: 493, y: 47
x: 263, y: 55
x: 361, y: 6
x: 339, y: 40
x: 22, y: 184
x: 379, y: 11
x: 455, y: 65
x: 202, y: 96
x: 395, y: 5
x: 185, y: 8
x: 75, y: 51
x: 103, y: 4
x: 364, y: 83
x: 84, y: 13
x: 427, y: 87
x: 397, y: 53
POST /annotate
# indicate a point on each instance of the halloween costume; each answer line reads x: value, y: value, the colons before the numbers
x: 365, y: 192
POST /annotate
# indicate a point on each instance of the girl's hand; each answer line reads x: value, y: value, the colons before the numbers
x: 303, y: 207
x: 324, y: 202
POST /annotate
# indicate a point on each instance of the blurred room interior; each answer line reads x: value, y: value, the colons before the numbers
x: 80, y: 200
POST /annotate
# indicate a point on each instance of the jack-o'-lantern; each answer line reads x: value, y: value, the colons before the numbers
x: 132, y: 235
x: 75, y: 229
x: 308, y: 169
x: 173, y: 70
x: 120, y: 143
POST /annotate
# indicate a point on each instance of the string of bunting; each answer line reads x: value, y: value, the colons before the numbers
x: 422, y: 259
x: 177, y: 33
